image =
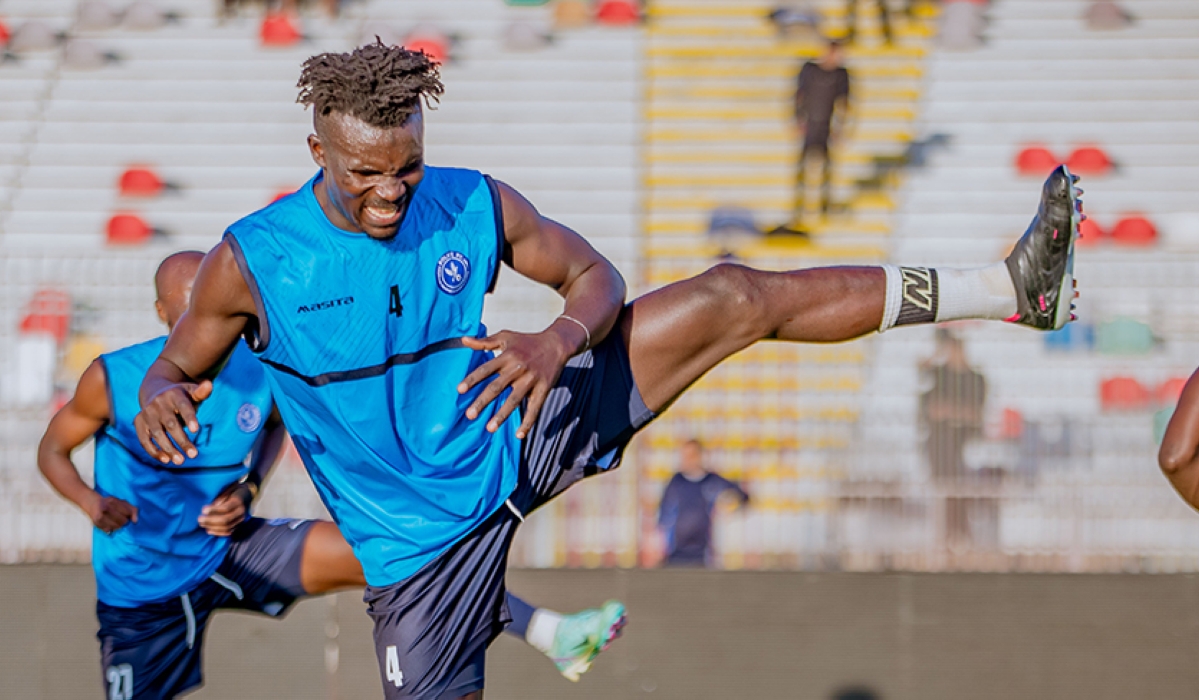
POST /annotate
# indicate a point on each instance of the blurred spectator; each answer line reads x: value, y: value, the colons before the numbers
x: 789, y: 18
x: 962, y: 24
x: 1106, y: 15
x: 685, y: 513
x: 821, y: 110
x: 952, y: 411
x: 884, y: 18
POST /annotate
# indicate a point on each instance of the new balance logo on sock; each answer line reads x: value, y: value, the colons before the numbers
x: 919, y: 302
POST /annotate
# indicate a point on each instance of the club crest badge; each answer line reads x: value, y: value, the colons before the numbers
x: 248, y: 418
x: 453, y: 271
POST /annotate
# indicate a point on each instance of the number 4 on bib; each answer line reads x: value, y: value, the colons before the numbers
x: 394, y: 674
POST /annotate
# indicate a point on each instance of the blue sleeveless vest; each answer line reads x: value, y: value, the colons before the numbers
x: 361, y: 339
x: 166, y: 553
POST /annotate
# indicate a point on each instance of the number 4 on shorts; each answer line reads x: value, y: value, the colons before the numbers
x: 394, y: 674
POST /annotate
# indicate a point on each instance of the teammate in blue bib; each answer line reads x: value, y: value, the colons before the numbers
x: 171, y: 544
x: 362, y: 294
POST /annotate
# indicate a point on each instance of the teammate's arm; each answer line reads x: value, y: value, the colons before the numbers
x: 547, y: 252
x: 85, y: 414
x: 221, y: 306
x: 230, y: 508
x: 1179, y: 454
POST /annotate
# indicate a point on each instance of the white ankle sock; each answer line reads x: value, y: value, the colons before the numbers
x: 924, y: 295
x: 542, y: 628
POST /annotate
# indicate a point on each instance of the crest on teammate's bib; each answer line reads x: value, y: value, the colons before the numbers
x: 453, y: 270
x: 248, y: 418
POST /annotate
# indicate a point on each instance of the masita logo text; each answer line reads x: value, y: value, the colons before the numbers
x: 322, y: 305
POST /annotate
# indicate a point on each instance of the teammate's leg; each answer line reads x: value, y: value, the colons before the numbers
x: 328, y: 562
x: 676, y: 334
x: 571, y: 641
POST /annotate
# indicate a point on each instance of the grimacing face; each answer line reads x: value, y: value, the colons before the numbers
x: 370, y: 172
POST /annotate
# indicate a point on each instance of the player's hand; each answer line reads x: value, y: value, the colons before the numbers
x: 529, y: 364
x: 110, y: 514
x: 163, y: 420
x: 227, y: 510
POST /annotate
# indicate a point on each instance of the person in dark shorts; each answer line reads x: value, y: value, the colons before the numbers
x: 685, y: 512
x: 430, y: 438
x: 172, y: 546
x: 821, y: 111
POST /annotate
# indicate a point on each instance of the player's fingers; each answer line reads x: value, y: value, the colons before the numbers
x: 164, y: 448
x: 124, y: 509
x: 181, y: 404
x: 217, y: 528
x: 481, y: 372
x: 505, y: 375
x: 176, y: 434
x: 219, y: 507
x: 532, y: 410
x: 145, y: 436
x: 520, y: 389
x: 491, y: 342
x: 200, y: 391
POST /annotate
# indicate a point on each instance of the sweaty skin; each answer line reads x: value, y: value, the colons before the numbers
x: 370, y: 174
x: 674, y: 335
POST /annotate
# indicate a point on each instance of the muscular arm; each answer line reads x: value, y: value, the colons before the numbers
x: 85, y: 414
x: 221, y: 306
x: 547, y: 252
x: 1179, y: 454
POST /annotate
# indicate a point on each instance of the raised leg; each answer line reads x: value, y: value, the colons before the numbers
x: 678, y: 333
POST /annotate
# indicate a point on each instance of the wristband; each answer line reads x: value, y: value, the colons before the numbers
x: 581, y: 325
x: 251, y: 487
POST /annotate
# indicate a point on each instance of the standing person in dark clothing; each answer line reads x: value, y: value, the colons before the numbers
x: 821, y: 110
x: 685, y: 514
x: 952, y: 410
x: 884, y: 19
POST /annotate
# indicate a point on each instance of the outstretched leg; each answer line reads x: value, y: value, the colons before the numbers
x: 678, y: 333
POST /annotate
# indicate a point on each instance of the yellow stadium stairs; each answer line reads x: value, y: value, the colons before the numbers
x: 719, y: 80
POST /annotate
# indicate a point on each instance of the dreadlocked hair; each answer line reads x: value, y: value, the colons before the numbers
x: 381, y: 85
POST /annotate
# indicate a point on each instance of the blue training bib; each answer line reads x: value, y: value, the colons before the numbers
x: 361, y: 339
x: 166, y: 553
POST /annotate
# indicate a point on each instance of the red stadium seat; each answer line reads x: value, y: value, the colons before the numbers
x: 619, y: 12
x: 1090, y: 233
x: 1170, y: 390
x: 128, y: 229
x: 435, y: 47
x: 49, y: 311
x: 1011, y: 425
x: 4, y: 34
x: 279, y: 30
x: 1123, y: 394
x: 1036, y: 161
x: 281, y: 194
x: 1134, y: 230
x: 140, y: 181
x: 1089, y: 160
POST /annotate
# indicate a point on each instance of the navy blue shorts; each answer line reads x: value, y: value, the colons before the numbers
x: 154, y: 650
x: 433, y: 628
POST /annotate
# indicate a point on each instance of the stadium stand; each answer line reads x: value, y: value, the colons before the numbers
x: 213, y: 112
x: 635, y: 134
x: 1101, y: 504
x: 721, y: 78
